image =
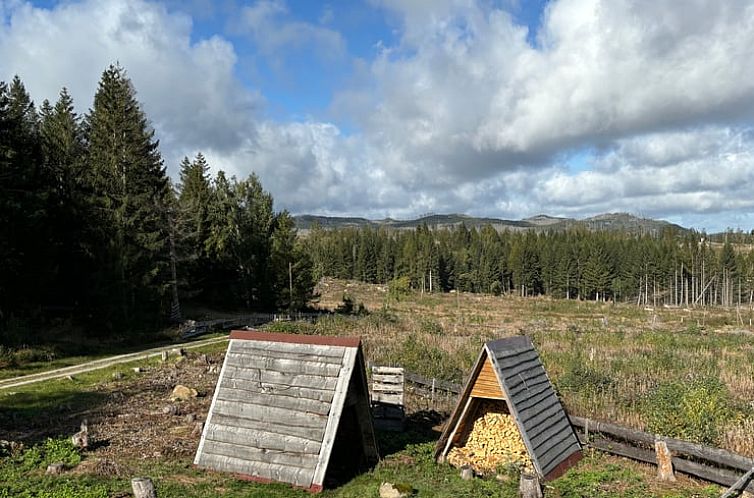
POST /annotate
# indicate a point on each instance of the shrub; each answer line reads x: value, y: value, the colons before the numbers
x: 50, y: 451
x: 695, y: 410
x: 580, y: 377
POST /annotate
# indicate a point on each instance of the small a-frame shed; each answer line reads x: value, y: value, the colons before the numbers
x: 290, y: 408
x: 510, y: 370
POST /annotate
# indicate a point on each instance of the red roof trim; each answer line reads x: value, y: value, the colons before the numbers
x: 563, y: 466
x: 258, y: 335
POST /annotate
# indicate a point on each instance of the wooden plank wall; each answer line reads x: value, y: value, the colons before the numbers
x: 486, y: 384
x: 388, y: 398
x: 270, y: 411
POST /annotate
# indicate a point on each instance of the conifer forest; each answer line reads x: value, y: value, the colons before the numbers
x: 94, y: 230
x: 678, y: 268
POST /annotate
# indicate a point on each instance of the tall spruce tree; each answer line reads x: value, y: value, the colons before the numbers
x: 130, y: 189
x: 22, y: 202
x: 62, y: 147
x: 192, y: 223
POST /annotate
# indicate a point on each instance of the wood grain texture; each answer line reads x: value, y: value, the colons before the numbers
x: 259, y: 351
x: 281, y: 379
x: 276, y: 426
x: 486, y: 384
x: 263, y: 413
x: 308, y: 350
x: 272, y: 400
x: 262, y: 439
x: 278, y: 389
x: 309, y: 365
x: 389, y: 398
x: 292, y: 475
x: 261, y: 455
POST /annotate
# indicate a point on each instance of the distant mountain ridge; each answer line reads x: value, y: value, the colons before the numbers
x: 622, y: 222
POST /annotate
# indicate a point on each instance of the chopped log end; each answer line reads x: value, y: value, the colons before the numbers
x: 494, y: 442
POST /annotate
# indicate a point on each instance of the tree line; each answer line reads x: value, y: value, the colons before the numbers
x: 673, y: 268
x: 91, y: 227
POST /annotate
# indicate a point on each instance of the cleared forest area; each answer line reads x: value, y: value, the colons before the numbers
x: 685, y: 374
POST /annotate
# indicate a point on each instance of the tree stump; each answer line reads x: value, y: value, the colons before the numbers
x: 528, y: 486
x: 466, y: 473
x: 143, y: 487
x: 664, y: 462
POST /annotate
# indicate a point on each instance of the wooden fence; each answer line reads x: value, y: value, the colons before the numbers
x: 704, y: 462
x: 193, y: 328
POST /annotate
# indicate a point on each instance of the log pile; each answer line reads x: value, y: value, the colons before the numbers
x: 493, y: 443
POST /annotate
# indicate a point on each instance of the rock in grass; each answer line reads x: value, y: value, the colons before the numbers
x: 390, y: 490
x: 170, y: 410
x: 182, y: 393
x: 55, y: 469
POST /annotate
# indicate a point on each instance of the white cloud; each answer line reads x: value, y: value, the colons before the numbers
x: 188, y: 89
x: 712, y: 174
x: 266, y: 21
x: 461, y: 114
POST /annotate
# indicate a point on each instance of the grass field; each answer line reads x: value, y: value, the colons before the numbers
x: 685, y: 373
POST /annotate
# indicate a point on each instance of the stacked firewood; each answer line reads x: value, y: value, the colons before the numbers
x: 494, y: 443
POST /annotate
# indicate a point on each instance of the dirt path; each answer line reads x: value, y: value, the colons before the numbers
x: 102, y: 363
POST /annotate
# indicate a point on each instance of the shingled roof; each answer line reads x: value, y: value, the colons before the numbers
x: 510, y: 369
x: 289, y: 408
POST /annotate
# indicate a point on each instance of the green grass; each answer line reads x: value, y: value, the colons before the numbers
x: 413, y: 466
x: 27, y: 360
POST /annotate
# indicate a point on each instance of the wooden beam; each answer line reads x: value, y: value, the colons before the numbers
x: 336, y: 409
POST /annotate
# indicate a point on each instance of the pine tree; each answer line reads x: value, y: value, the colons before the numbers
x: 192, y: 223
x: 62, y: 147
x: 130, y: 195
x: 22, y: 202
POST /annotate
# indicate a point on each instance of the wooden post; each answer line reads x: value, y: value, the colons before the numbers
x: 664, y: 461
x: 143, y: 487
x: 467, y: 473
x: 528, y: 486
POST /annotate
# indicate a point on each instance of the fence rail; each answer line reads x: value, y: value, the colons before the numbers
x: 196, y: 328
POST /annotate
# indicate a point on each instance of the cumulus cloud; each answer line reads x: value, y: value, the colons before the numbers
x: 700, y: 171
x: 468, y: 81
x: 188, y: 89
x: 266, y: 22
x: 462, y: 113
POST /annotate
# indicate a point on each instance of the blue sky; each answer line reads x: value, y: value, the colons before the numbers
x: 378, y: 108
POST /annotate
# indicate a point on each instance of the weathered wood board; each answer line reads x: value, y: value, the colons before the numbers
x: 277, y: 407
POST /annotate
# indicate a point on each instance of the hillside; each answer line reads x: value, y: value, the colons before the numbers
x: 623, y: 222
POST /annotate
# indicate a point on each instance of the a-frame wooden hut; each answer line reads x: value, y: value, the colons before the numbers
x: 511, y: 372
x: 290, y: 408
